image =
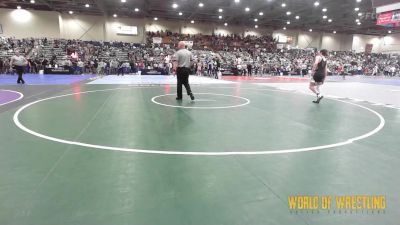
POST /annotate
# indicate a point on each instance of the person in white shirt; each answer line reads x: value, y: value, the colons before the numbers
x: 392, y: 71
x: 19, y: 62
x: 167, y: 60
x: 80, y: 66
x: 100, y: 68
x: 375, y: 71
x: 182, y: 65
x: 114, y: 66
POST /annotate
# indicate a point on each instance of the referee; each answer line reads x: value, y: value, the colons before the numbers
x: 182, y: 69
x: 19, y: 62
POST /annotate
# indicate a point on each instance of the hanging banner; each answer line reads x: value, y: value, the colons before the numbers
x: 127, y: 30
x: 368, y: 48
x: 280, y: 46
x: 389, y: 18
x: 157, y: 40
x: 282, y: 39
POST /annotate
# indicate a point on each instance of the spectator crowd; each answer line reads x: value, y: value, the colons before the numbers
x: 233, y: 54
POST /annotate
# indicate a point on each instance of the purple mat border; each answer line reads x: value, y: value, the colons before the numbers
x: 9, y: 96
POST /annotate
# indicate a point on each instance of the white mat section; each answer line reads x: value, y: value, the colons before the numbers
x: 150, y: 79
x: 377, y: 94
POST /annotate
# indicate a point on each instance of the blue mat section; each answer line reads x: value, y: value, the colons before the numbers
x: 394, y: 81
x: 36, y: 79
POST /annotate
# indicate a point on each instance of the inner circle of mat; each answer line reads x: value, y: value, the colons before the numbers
x: 202, y: 101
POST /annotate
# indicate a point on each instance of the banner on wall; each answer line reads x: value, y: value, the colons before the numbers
x: 127, y: 30
x: 157, y: 40
x: 389, y: 18
x: 282, y: 39
x: 289, y: 40
x: 368, y: 48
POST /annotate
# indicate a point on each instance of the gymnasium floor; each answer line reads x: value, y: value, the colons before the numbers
x: 91, y: 151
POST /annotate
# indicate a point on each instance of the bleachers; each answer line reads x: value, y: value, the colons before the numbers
x: 261, y: 60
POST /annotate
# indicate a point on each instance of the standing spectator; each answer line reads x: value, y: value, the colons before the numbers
x: 249, y: 69
x: 80, y: 66
x: 1, y: 66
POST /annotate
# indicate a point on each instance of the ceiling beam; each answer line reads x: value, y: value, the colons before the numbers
x: 46, y: 3
x: 101, y: 6
x: 147, y: 8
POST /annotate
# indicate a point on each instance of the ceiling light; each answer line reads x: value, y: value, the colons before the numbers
x: 297, y: 17
x: 316, y: 3
x: 174, y: 5
x: 358, y: 0
x: 180, y: 13
x: 324, y: 10
x: 247, y: 9
x: 71, y: 12
x: 357, y: 9
x: 359, y: 14
x: 237, y: 1
x: 256, y: 26
x: 289, y: 13
x: 256, y: 20
x: 201, y: 4
x: 33, y: 1
x: 330, y: 20
x: 389, y: 31
x: 136, y: 9
x: 283, y: 5
x: 288, y: 22
x: 334, y: 31
x: 220, y: 17
x: 123, y: 1
x: 357, y: 20
x: 284, y: 28
x: 87, y: 5
x: 225, y: 24
x: 192, y: 21
x: 261, y: 13
x: 324, y: 17
x: 220, y: 10
x: 310, y: 30
x: 155, y: 18
x: 115, y: 15
x: 358, y: 23
x: 18, y: 7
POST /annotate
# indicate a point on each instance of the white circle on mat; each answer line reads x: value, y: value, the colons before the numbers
x: 174, y: 152
x: 245, y: 102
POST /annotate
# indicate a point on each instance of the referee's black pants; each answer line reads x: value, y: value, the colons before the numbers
x: 182, y: 74
x: 20, y: 71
